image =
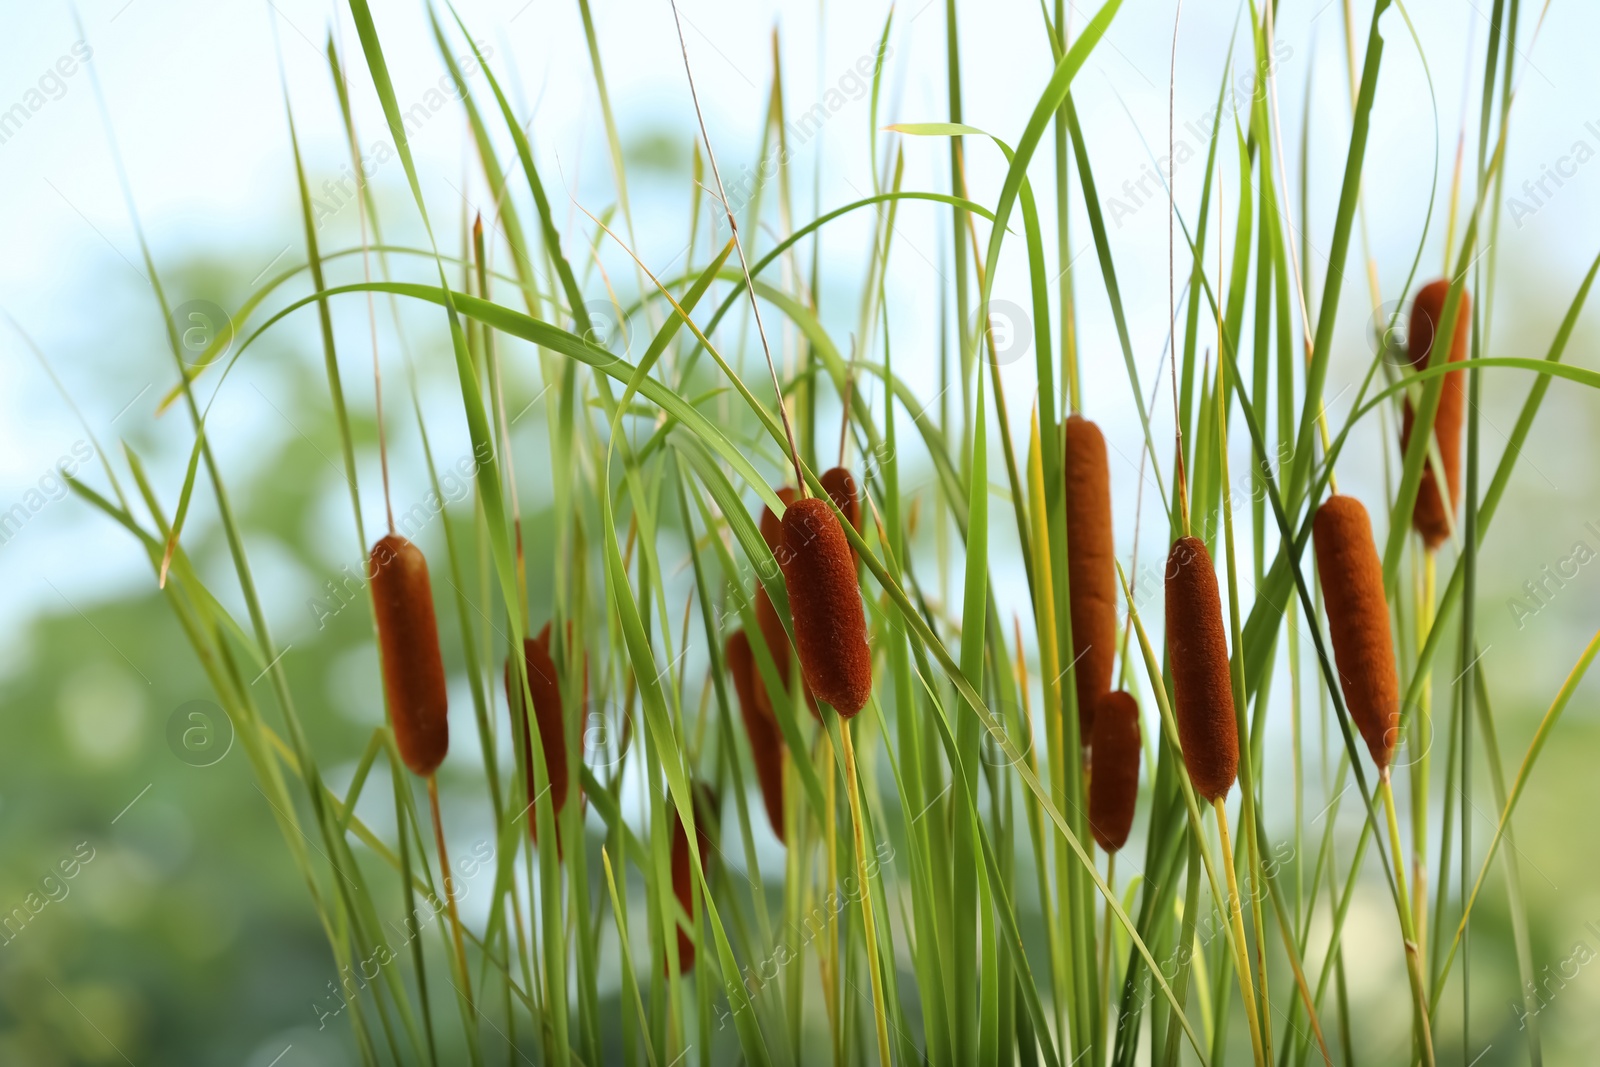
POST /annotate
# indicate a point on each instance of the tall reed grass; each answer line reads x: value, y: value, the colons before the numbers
x: 928, y: 887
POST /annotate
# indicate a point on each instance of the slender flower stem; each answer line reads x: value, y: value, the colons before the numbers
x: 449, y: 897
x: 1424, y: 1032
x: 868, y: 927
x: 1240, y: 954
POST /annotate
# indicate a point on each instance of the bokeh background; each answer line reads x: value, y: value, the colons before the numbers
x: 183, y: 934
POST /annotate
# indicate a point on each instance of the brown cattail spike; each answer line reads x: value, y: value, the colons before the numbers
x: 771, y: 525
x: 767, y: 618
x: 766, y: 743
x: 1091, y: 570
x: 549, y: 716
x: 830, y: 625
x: 770, y: 622
x: 1114, y: 776
x: 408, y: 638
x: 1197, y: 645
x: 1432, y: 514
x: 841, y: 486
x: 683, y: 867
x: 1358, y: 618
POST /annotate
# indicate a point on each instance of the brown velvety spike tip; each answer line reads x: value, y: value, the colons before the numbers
x: 1432, y: 514
x: 841, y: 486
x: 766, y: 743
x: 408, y: 639
x: 1197, y: 645
x: 830, y: 625
x: 1358, y: 618
x: 1091, y: 570
x: 1114, y: 775
x: 683, y: 883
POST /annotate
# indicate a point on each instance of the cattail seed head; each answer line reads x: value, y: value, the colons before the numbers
x: 408, y: 640
x: 767, y: 618
x: 830, y: 624
x: 1114, y: 775
x: 772, y: 526
x: 1433, y: 512
x: 1091, y: 570
x: 549, y: 717
x: 777, y: 639
x: 766, y: 743
x: 705, y: 806
x: 841, y: 486
x: 1197, y: 645
x: 1358, y: 619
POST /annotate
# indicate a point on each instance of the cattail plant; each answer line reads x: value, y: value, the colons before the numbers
x: 413, y: 680
x: 766, y: 743
x: 1433, y: 514
x: 1358, y: 618
x: 771, y: 625
x: 830, y: 624
x: 841, y: 487
x: 549, y: 718
x: 1202, y: 686
x: 1114, y: 777
x: 555, y: 964
x: 705, y: 807
x: 408, y: 639
x: 1091, y: 572
x: 1351, y: 575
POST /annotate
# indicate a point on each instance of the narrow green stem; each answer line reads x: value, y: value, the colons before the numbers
x: 1424, y: 1032
x: 1240, y: 951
